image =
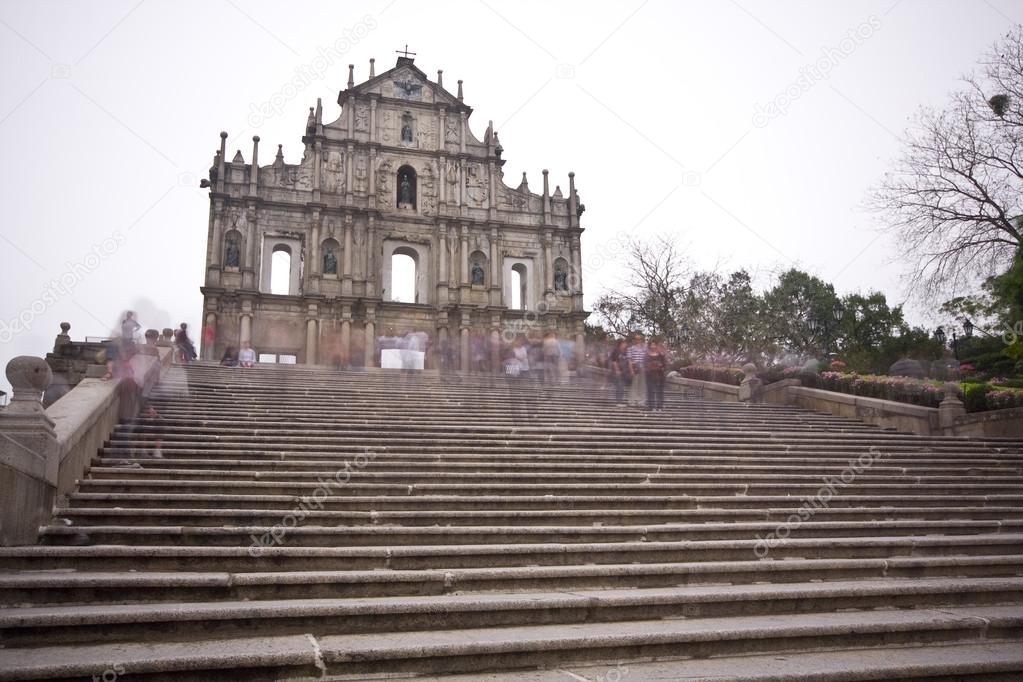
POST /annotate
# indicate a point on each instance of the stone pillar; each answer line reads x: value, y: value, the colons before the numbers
x: 373, y: 122
x: 950, y: 408
x: 245, y: 330
x: 209, y: 339
x: 496, y: 279
x: 311, y: 337
x: 580, y: 351
x: 28, y: 454
x: 346, y: 335
x: 371, y: 337
x: 548, y: 262
x: 464, y: 347
x: 749, y: 389
x: 575, y: 277
x: 346, y: 259
x: 463, y: 258
x: 442, y: 263
x: 372, y: 268
x: 495, y: 350
x: 251, y: 266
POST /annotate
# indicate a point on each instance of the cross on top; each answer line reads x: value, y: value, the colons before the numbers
x: 405, y: 53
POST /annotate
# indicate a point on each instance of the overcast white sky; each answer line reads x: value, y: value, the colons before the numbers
x: 110, y: 113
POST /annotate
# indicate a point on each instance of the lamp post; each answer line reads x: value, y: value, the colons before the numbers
x: 825, y: 327
x: 941, y: 337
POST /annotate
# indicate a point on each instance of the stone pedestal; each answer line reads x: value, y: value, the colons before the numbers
x: 28, y: 454
x: 950, y: 408
x: 751, y: 386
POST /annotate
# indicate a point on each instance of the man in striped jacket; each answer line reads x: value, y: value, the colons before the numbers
x: 637, y: 355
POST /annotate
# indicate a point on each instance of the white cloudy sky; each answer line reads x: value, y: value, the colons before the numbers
x: 110, y: 113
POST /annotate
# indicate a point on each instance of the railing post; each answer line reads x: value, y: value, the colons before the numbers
x: 28, y: 454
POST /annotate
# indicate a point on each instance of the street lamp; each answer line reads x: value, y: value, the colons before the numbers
x: 968, y: 328
x: 939, y: 334
x: 838, y: 310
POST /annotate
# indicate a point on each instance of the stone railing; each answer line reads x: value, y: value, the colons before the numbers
x: 43, y: 453
x: 949, y: 419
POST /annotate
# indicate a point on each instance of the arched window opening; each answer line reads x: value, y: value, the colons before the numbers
x: 406, y: 187
x: 403, y: 277
x: 280, y: 270
x: 518, y: 287
x: 329, y: 254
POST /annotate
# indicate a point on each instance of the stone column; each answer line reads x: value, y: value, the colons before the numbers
x: 580, y: 350
x: 372, y: 120
x: 311, y: 338
x: 466, y: 359
x: 575, y: 277
x: 495, y: 347
x: 496, y: 279
x: 208, y: 347
x: 371, y: 261
x: 548, y: 262
x: 245, y: 329
x: 346, y: 283
x: 250, y: 268
x: 28, y: 454
x: 346, y: 335
x: 372, y: 170
x: 463, y: 257
x: 371, y: 337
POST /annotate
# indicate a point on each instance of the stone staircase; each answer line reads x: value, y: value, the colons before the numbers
x: 310, y: 524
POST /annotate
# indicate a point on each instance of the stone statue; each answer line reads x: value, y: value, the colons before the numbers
x: 477, y: 273
x: 329, y: 262
x: 560, y: 280
x: 405, y: 191
x: 232, y: 258
x: 406, y: 132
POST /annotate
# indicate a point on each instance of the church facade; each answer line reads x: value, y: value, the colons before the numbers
x: 396, y: 220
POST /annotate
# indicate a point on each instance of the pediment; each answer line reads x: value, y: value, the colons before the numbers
x: 406, y: 82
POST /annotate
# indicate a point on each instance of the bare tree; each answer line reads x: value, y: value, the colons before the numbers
x: 953, y: 200
x: 651, y: 298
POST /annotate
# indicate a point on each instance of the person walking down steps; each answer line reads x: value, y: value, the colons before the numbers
x: 655, y: 365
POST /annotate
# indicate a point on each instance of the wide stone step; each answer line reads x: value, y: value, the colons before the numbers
x: 286, y: 531
x: 35, y: 626
x: 264, y: 554
x: 40, y: 587
x: 497, y: 648
x: 308, y: 488
x: 388, y: 462
x: 162, y: 515
x: 987, y: 661
x: 142, y: 471
x: 522, y: 502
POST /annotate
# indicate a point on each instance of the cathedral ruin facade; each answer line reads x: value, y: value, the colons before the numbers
x: 302, y: 259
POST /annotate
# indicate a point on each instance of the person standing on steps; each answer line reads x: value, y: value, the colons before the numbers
x: 655, y: 365
x: 637, y: 356
x: 619, y: 370
x: 186, y: 350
